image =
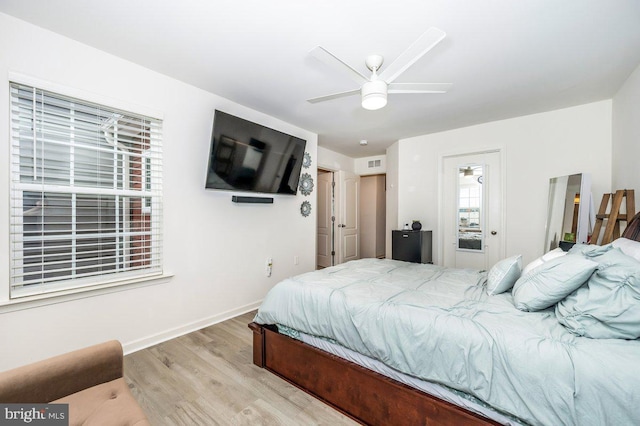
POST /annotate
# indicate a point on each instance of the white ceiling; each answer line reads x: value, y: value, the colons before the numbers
x: 505, y: 58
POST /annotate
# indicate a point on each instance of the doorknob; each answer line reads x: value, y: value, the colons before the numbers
x: 493, y: 232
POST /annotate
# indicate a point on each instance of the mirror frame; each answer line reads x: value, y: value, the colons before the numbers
x: 560, y: 194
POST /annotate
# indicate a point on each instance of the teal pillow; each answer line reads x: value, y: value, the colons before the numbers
x: 608, y: 307
x: 504, y: 274
x: 589, y: 250
x: 551, y: 282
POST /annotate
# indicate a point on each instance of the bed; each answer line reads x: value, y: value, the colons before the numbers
x: 391, y: 342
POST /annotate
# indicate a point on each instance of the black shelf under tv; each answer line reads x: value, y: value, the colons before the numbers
x: 251, y: 200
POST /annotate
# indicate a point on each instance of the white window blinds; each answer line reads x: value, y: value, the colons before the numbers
x: 86, y: 193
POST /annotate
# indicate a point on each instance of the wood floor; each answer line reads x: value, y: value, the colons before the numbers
x: 207, y: 378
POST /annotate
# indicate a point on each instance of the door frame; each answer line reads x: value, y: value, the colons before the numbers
x: 333, y: 202
x: 441, y: 207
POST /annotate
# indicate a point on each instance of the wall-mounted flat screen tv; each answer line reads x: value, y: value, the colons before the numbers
x: 247, y: 156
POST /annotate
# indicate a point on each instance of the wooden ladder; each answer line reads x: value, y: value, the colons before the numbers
x: 614, y: 217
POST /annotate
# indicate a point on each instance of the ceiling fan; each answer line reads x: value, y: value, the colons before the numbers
x: 374, y: 89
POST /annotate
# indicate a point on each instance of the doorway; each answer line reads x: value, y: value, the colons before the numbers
x: 373, y: 203
x: 472, y: 210
x: 338, y: 227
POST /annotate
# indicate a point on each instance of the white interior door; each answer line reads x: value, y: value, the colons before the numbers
x: 325, y: 219
x: 472, y: 210
x: 348, y: 232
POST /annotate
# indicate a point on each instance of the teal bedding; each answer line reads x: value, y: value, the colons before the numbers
x: 440, y: 325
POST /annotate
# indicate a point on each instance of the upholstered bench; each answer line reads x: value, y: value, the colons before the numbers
x: 90, y: 380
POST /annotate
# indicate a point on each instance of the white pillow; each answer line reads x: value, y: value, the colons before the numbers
x: 504, y: 274
x: 542, y: 259
x: 628, y: 247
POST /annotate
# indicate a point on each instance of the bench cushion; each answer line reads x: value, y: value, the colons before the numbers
x: 109, y: 403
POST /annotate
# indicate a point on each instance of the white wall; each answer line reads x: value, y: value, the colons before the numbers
x: 216, y: 249
x: 626, y: 136
x: 361, y: 165
x: 333, y: 161
x: 392, y: 181
x: 535, y: 148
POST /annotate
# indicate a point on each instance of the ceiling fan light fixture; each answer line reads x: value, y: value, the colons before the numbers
x: 374, y: 95
x: 374, y: 89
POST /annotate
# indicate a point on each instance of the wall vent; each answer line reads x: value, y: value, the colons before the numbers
x: 374, y: 163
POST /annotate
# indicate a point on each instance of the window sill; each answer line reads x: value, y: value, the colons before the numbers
x: 35, y: 301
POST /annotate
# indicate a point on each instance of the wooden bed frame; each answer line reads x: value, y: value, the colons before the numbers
x: 362, y: 394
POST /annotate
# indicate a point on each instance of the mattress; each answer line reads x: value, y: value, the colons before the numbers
x: 440, y: 325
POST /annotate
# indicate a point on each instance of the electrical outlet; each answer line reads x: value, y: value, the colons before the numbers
x: 269, y: 266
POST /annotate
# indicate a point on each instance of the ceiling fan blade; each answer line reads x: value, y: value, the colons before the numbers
x: 333, y: 96
x: 330, y: 59
x: 419, y: 87
x: 422, y: 45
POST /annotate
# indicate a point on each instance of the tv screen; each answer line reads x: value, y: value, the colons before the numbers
x: 246, y: 156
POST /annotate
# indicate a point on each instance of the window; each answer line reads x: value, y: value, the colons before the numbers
x: 86, y: 194
x: 470, y: 225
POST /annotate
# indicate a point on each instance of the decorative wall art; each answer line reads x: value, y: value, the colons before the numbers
x: 305, y: 208
x: 306, y: 184
x: 306, y: 160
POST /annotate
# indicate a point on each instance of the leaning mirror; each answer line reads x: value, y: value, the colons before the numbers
x: 568, y: 213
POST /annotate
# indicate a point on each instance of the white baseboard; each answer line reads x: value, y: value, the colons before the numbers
x: 155, y: 339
